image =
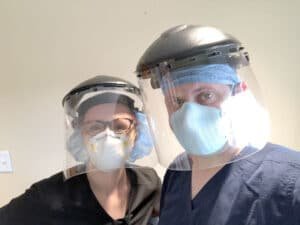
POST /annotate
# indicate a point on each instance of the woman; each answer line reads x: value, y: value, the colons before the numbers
x: 106, y: 134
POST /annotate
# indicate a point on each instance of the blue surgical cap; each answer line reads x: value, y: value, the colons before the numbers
x: 212, y: 73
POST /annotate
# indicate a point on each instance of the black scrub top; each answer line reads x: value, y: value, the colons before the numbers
x: 54, y: 201
x: 262, y: 189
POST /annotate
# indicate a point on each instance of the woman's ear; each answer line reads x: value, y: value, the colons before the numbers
x: 75, y: 123
x: 133, y: 133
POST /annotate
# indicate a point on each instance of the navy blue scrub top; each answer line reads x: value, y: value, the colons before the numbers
x: 262, y: 189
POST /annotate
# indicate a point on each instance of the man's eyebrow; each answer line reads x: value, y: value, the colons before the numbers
x: 175, y: 94
x: 212, y: 88
x: 200, y: 89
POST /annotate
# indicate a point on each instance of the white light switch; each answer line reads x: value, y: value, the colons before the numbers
x: 5, y: 162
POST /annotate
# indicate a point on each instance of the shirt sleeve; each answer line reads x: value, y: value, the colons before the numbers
x: 20, y: 209
x: 296, y: 202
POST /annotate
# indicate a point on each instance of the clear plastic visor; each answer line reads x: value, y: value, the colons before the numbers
x: 106, y: 132
x: 204, y: 116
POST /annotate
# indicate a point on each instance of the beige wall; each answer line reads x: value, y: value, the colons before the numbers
x: 47, y: 47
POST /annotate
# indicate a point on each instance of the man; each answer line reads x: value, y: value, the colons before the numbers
x: 212, y: 134
x: 103, y: 183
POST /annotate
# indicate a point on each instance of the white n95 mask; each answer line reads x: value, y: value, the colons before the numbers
x: 107, y: 151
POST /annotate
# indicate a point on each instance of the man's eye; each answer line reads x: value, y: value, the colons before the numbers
x: 207, y: 98
x: 179, y: 101
x: 209, y: 95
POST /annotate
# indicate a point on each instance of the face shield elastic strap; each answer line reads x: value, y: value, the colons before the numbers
x: 213, y: 73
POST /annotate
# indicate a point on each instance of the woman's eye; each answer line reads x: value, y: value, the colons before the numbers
x: 93, y: 128
x: 119, y: 127
x: 96, y: 127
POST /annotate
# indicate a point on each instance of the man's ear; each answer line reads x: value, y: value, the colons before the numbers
x: 240, y: 87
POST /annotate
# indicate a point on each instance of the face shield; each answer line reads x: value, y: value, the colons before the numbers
x: 105, y: 130
x: 204, y: 111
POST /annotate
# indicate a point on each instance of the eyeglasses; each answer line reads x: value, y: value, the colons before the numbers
x: 119, y: 126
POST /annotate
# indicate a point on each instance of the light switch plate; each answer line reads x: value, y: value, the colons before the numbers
x: 5, y: 162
